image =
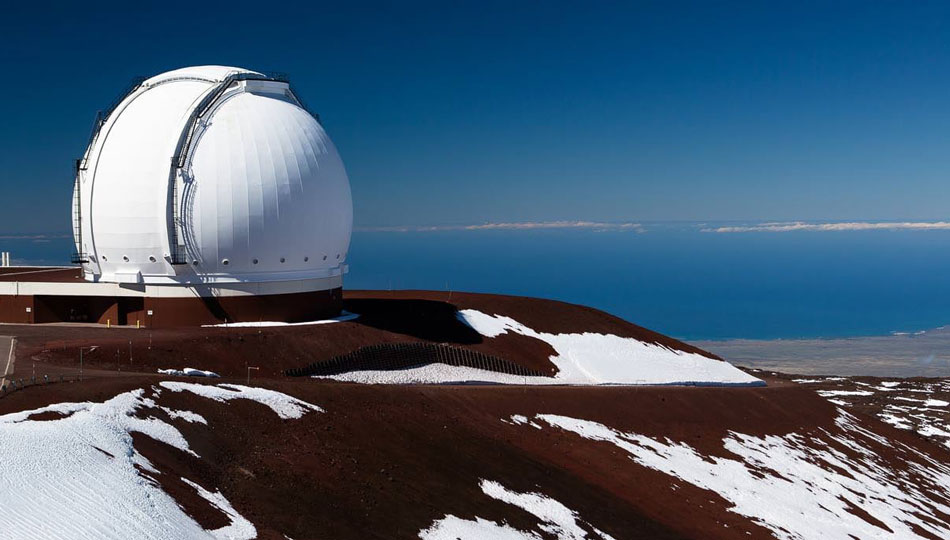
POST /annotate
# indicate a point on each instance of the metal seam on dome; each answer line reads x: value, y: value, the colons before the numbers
x: 293, y: 95
x: 103, y: 116
x: 185, y: 146
x: 182, y: 78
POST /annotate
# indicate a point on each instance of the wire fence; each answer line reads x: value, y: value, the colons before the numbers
x: 398, y: 356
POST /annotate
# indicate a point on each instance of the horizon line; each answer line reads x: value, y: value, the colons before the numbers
x: 706, y: 226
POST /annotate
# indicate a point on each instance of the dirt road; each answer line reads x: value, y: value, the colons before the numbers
x: 7, y: 347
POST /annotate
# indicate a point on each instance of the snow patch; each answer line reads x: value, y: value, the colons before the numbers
x: 795, y: 486
x: 933, y: 431
x: 239, y: 528
x: 345, y: 316
x: 437, y: 374
x: 591, y: 358
x: 555, y: 519
x: 188, y: 372
x: 896, y: 421
x: 65, y: 409
x: 488, y: 325
x: 187, y: 416
x: 454, y: 528
x: 285, y: 406
x: 833, y: 393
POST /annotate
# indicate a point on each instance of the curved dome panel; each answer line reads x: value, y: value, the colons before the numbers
x: 268, y: 194
x: 128, y: 191
x: 261, y: 194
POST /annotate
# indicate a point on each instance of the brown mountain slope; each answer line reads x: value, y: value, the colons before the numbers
x: 385, y: 317
x: 390, y: 461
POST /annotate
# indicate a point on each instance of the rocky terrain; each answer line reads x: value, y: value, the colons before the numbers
x: 920, y: 405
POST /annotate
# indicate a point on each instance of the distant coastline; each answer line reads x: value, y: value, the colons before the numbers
x: 924, y: 353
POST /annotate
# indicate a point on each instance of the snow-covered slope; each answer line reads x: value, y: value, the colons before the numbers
x: 79, y: 476
x: 177, y: 459
x: 582, y: 359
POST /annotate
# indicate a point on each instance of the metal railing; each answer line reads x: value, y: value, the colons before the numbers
x: 79, y: 256
x: 101, y: 117
x: 82, y: 164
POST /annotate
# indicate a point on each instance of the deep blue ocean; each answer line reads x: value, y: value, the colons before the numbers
x: 672, y: 278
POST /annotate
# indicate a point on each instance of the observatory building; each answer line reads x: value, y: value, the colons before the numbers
x: 205, y: 195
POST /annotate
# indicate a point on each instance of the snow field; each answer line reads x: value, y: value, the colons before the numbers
x: 80, y: 477
x: 591, y: 358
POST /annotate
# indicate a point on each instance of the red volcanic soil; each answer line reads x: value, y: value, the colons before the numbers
x: 40, y: 273
x: 542, y: 315
x: 385, y: 317
x: 389, y: 461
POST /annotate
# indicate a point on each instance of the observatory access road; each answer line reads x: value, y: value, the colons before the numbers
x: 7, y: 356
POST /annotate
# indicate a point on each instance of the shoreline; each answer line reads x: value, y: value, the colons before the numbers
x: 892, y: 333
x: 918, y: 354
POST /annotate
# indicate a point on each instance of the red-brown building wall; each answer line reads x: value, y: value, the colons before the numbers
x: 296, y: 307
x: 99, y: 309
x: 16, y: 309
x: 168, y: 312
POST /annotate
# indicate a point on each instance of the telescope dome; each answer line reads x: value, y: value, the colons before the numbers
x: 211, y: 174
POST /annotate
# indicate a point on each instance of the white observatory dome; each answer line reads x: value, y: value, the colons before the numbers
x: 211, y: 174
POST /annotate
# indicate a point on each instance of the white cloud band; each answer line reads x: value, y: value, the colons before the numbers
x: 515, y: 226
x: 847, y: 226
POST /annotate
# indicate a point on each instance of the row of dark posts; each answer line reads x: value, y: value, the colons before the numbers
x: 20, y: 384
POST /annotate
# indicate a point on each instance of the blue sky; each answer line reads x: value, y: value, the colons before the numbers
x: 536, y: 111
